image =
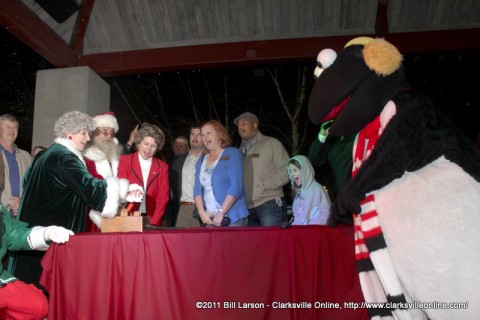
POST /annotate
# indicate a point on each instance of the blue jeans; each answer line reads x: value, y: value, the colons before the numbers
x: 267, y: 214
x: 242, y: 222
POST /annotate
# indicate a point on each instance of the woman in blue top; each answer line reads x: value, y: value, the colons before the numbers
x: 218, y: 189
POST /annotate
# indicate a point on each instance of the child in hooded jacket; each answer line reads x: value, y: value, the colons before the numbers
x: 311, y: 203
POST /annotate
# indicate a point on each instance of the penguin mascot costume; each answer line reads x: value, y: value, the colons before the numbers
x: 414, y: 190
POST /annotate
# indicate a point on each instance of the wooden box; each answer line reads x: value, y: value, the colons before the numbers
x: 125, y: 224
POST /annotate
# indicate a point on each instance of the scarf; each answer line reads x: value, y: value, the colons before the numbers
x: 378, y: 279
x: 246, y: 145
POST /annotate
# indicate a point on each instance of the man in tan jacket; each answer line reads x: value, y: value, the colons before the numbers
x: 265, y: 173
x: 15, y: 164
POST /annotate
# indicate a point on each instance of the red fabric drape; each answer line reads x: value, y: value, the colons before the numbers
x: 162, y: 274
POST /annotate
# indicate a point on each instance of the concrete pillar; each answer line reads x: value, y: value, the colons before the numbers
x: 67, y: 89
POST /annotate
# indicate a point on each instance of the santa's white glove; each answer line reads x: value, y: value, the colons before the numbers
x: 96, y: 218
x: 57, y: 234
x: 135, y: 193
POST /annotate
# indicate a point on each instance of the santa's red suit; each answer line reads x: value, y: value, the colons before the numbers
x: 99, y: 167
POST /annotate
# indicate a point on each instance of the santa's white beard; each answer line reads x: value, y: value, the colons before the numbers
x: 112, y: 150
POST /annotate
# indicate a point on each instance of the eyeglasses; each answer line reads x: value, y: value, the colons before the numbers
x: 105, y: 132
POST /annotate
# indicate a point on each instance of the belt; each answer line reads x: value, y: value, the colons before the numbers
x: 187, y: 203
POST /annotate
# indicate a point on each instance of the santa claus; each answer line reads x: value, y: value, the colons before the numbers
x: 101, y: 157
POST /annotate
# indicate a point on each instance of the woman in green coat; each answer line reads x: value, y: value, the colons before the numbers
x: 58, y: 189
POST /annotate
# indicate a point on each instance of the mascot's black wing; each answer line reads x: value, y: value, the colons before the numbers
x: 416, y: 136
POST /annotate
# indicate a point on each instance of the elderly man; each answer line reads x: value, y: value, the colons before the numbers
x: 265, y: 172
x: 182, y: 179
x: 15, y: 163
x: 180, y: 146
x: 101, y: 156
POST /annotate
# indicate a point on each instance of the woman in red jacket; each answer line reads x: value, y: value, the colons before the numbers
x: 149, y: 172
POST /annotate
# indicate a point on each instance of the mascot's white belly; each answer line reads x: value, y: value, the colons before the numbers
x: 431, y: 223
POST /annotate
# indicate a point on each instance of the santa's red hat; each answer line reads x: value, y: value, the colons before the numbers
x: 107, y: 120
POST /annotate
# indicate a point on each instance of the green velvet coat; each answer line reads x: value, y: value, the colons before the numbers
x: 57, y: 191
x: 14, y: 236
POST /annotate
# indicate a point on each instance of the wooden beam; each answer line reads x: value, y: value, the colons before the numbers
x: 381, y: 21
x: 265, y: 52
x: 432, y: 41
x: 18, y: 19
x: 81, y: 24
x: 206, y: 56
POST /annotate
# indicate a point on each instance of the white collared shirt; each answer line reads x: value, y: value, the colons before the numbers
x: 188, y: 177
x: 145, y: 166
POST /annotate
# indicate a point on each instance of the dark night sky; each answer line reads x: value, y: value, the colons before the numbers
x: 451, y: 79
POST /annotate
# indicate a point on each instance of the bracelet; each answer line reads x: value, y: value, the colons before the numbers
x: 221, y: 210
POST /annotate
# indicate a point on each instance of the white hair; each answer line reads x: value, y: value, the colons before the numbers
x: 73, y: 122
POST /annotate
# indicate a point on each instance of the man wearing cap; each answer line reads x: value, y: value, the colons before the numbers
x: 101, y: 156
x: 265, y: 172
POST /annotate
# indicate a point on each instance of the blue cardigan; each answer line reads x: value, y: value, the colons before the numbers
x: 227, y: 178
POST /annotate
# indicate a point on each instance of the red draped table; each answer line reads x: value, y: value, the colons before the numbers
x: 205, y: 273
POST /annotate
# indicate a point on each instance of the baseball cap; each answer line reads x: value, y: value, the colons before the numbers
x: 246, y: 115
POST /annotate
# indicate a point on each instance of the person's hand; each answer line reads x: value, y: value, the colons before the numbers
x: 135, y: 193
x: 57, y: 234
x: 217, y: 219
x: 135, y: 196
x: 325, y: 126
x: 13, y: 205
x: 205, y: 217
x: 323, y: 134
x: 131, y: 139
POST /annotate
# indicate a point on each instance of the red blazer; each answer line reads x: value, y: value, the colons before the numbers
x: 157, y: 192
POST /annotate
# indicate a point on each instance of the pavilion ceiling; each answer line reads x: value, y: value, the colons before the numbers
x: 115, y: 37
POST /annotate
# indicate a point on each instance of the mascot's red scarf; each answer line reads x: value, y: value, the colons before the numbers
x: 370, y: 246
